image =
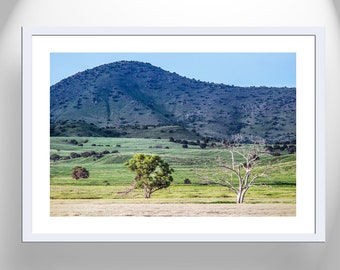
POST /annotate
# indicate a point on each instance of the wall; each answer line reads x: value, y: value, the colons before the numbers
x: 16, y: 255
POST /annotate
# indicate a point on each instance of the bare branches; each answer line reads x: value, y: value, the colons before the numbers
x: 236, y: 138
x: 231, y: 187
x: 242, y: 164
x: 125, y: 192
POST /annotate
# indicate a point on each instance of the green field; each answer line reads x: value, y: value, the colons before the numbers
x: 109, y: 177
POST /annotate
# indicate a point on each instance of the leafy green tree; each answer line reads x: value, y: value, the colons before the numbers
x: 80, y: 172
x: 152, y: 173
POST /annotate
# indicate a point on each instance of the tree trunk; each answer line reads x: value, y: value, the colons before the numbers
x: 241, y: 194
x: 147, y: 193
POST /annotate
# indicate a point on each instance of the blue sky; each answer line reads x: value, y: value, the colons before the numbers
x: 239, y: 69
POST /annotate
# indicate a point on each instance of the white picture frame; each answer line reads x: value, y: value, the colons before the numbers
x: 307, y: 226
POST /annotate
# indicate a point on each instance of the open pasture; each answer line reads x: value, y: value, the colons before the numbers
x: 110, y: 179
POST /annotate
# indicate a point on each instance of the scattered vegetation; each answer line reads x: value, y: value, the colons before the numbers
x: 195, y: 179
x: 125, y: 98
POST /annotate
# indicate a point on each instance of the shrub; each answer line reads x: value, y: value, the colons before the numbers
x: 55, y: 157
x: 98, y: 156
x: 291, y: 149
x: 203, y: 145
x: 85, y: 154
x: 73, y: 142
x: 187, y: 181
x: 74, y: 155
x: 80, y: 172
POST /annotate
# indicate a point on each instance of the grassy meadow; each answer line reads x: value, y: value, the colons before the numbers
x: 109, y: 177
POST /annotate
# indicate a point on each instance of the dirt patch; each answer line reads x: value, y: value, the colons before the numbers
x: 111, y: 208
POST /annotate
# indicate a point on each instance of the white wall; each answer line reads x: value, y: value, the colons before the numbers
x: 17, y: 13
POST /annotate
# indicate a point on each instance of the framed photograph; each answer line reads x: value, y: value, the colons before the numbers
x: 173, y: 135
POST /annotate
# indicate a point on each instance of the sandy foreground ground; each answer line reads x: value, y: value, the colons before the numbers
x: 111, y: 208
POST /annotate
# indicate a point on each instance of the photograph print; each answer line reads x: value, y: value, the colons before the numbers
x: 173, y: 134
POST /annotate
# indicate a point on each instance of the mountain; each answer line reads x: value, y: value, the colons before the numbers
x: 128, y: 95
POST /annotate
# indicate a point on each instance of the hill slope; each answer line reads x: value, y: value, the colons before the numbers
x: 130, y: 94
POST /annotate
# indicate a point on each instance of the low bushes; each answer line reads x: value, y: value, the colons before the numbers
x: 73, y: 155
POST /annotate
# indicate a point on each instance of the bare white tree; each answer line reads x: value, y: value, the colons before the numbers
x: 242, y: 164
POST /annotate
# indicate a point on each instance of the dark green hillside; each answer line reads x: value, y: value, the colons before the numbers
x: 125, y: 96
x: 79, y: 128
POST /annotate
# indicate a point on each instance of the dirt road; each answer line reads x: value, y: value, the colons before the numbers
x: 111, y: 208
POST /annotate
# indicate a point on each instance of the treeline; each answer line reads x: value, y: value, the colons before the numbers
x: 94, y: 154
x: 185, y: 143
x: 79, y: 128
x: 277, y: 148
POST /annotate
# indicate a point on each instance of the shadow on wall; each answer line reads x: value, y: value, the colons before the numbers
x: 337, y: 7
x: 7, y: 6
